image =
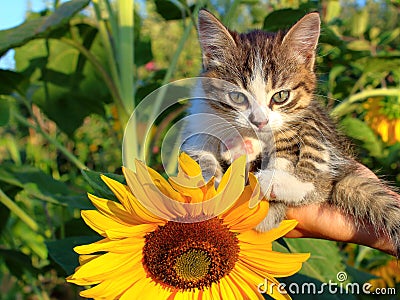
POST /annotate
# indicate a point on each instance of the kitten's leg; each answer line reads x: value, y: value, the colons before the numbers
x: 209, y: 164
x: 284, y: 188
x: 282, y: 184
x: 276, y: 214
x: 369, y: 201
x: 204, y: 150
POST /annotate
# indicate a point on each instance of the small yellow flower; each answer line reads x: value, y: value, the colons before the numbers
x: 389, y: 275
x: 387, y: 128
x: 184, y: 239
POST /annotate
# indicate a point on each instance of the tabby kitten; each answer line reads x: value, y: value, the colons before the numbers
x: 305, y: 159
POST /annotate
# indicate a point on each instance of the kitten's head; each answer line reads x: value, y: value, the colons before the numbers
x: 274, y: 72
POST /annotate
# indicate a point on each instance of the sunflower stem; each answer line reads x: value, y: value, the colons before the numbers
x: 72, y: 158
x: 172, y: 66
x: 344, y: 107
x: 19, y: 212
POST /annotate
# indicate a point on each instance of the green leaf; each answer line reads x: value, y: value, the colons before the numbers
x: 386, y: 37
x: 30, y: 239
x: 42, y: 186
x: 333, y: 8
x: 68, y: 88
x: 360, y: 131
x: 359, y: 45
x: 77, y: 227
x: 325, y: 261
x: 99, y: 186
x: 282, y: 19
x: 4, y: 111
x: 378, y: 64
x: 329, y: 36
x: 61, y: 251
x: 40, y: 27
x: 360, y: 23
x: 27, y: 174
x: 17, y: 262
x: 334, y: 73
x: 143, y: 52
x: 358, y: 276
x: 75, y: 201
x: 4, y: 215
x: 10, y: 81
x: 170, y: 10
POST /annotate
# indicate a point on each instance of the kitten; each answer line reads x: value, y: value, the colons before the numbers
x: 264, y: 85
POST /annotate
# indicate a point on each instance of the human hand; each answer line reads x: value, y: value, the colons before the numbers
x: 324, y: 221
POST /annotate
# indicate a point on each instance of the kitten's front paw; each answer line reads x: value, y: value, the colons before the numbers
x: 264, y: 178
x: 282, y: 186
x: 276, y: 214
x: 209, y: 166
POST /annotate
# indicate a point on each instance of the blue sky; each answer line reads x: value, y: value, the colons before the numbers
x: 12, y: 13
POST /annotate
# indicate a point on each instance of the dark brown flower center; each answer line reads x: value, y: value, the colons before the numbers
x: 190, y: 255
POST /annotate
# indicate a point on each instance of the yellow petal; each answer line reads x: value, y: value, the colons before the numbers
x: 159, y: 200
x: 255, y: 186
x: 98, y: 222
x: 254, y: 281
x: 185, y: 187
x: 123, y: 193
x: 145, y: 289
x: 108, y: 266
x: 86, y: 258
x: 137, y: 231
x: 228, y: 288
x: 81, y: 281
x: 397, y: 130
x: 240, y: 217
x: 182, y: 295
x: 164, y: 186
x: 190, y: 167
x: 150, y: 197
x: 231, y: 186
x: 249, y: 288
x: 273, y: 263
x: 120, y: 190
x: 209, y: 190
x: 205, y: 294
x: 255, y: 238
x: 114, y: 211
x: 114, y: 287
x: 144, y: 214
x: 126, y: 245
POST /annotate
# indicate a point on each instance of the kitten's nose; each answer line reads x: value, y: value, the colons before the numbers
x: 259, y: 120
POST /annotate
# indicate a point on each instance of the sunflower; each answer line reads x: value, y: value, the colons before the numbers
x: 384, y: 119
x: 183, y: 239
x: 389, y: 275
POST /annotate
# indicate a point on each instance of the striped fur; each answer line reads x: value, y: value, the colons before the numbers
x: 304, y: 159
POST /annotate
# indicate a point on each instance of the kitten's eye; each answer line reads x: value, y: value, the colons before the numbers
x: 281, y: 97
x: 238, y: 98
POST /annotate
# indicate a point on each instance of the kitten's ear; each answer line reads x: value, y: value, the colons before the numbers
x: 215, y: 39
x: 302, y: 38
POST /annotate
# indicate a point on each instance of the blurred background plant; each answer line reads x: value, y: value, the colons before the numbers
x: 81, y: 67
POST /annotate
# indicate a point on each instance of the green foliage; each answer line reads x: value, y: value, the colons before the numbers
x: 359, y: 131
x: 81, y: 70
x: 98, y: 185
x: 41, y: 27
x: 61, y: 251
